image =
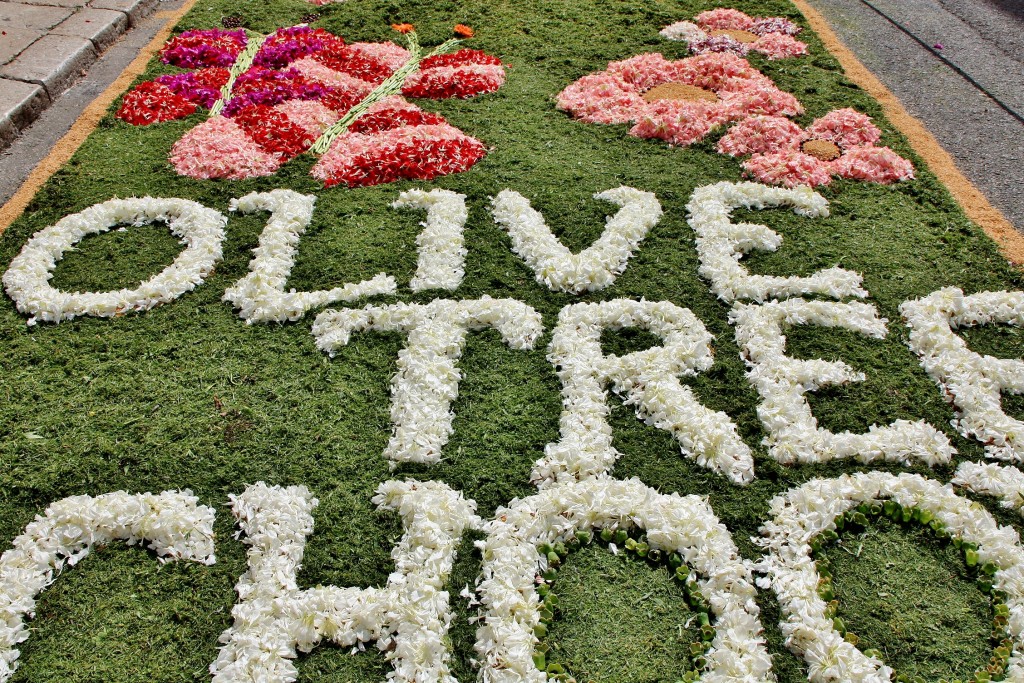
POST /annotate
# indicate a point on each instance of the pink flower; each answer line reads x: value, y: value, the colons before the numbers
x: 840, y: 143
x: 310, y: 115
x: 389, y: 53
x: 676, y: 101
x: 729, y: 30
x: 722, y: 19
x: 789, y: 169
x: 219, y: 148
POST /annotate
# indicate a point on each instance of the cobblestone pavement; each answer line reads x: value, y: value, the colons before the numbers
x: 984, y: 39
x: 55, y: 117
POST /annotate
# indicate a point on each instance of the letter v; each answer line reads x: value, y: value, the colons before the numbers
x: 597, y: 266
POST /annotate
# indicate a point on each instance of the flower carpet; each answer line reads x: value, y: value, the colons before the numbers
x: 444, y: 341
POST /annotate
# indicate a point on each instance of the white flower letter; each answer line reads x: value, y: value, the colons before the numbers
x: 804, y: 512
x: 971, y: 381
x: 442, y: 255
x: 172, y: 523
x: 686, y: 525
x: 274, y: 620
x: 27, y: 281
x: 793, y: 433
x: 648, y: 379
x: 1005, y: 483
x: 260, y: 295
x: 721, y: 243
x: 428, y: 380
x: 597, y: 266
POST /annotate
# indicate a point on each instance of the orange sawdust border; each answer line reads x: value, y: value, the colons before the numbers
x: 973, y: 202
x: 88, y: 121
x: 970, y: 198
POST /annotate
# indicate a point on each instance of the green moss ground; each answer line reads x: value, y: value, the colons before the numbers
x: 188, y: 396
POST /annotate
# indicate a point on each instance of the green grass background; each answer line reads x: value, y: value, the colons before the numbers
x: 189, y: 396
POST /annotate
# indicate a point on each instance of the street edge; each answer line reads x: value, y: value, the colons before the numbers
x: 88, y: 121
x: 974, y: 203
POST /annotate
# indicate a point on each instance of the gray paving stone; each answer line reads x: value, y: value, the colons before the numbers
x: 101, y: 26
x: 20, y: 104
x: 997, y: 20
x: 135, y: 9
x: 53, y: 62
x: 14, y: 40
x: 38, y: 17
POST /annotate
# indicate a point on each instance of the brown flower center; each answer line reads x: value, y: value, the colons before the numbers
x: 737, y: 35
x: 681, y: 92
x: 821, y: 149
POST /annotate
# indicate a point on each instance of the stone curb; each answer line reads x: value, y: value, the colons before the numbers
x: 135, y: 9
x: 20, y: 105
x: 48, y: 66
x: 99, y: 26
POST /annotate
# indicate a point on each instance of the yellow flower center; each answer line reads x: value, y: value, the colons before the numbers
x: 681, y: 92
x: 821, y: 149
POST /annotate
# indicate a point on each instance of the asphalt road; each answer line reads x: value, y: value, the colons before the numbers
x: 984, y: 39
x: 980, y: 124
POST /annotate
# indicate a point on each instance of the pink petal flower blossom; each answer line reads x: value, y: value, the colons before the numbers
x: 841, y: 143
x: 676, y: 101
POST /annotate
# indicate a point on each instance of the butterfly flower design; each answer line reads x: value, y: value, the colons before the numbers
x: 271, y: 98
